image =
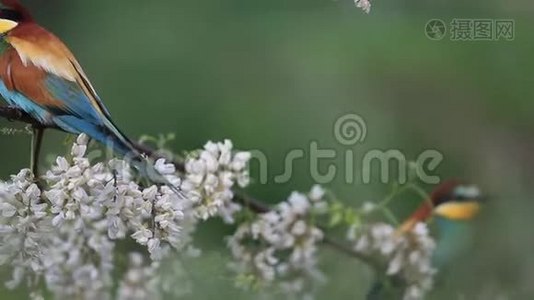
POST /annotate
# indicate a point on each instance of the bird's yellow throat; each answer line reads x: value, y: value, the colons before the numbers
x: 458, y: 210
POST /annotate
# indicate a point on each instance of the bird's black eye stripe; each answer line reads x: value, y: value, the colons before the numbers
x: 458, y: 196
x: 442, y: 200
x: 10, y: 15
x: 462, y: 198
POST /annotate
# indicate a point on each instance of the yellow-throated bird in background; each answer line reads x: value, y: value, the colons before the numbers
x: 452, y: 207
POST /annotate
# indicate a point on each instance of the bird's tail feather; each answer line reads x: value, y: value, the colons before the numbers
x: 124, y: 146
x: 110, y: 136
x: 147, y: 170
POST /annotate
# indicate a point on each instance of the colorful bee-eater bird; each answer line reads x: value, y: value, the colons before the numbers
x: 452, y: 207
x: 41, y: 76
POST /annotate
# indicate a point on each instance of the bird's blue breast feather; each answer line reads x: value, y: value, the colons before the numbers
x: 19, y: 100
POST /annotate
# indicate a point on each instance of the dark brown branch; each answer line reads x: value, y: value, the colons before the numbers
x: 15, y: 114
x: 251, y: 203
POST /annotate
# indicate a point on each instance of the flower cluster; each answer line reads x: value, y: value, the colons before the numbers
x: 210, y: 176
x: 25, y: 225
x: 140, y: 281
x: 65, y: 234
x: 145, y: 279
x: 407, y: 255
x: 104, y: 196
x: 365, y: 5
x: 280, y: 246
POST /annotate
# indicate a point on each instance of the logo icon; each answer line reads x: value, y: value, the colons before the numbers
x: 435, y: 29
x: 350, y: 129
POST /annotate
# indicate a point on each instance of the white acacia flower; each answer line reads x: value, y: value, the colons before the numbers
x: 140, y: 281
x: 368, y: 208
x: 24, y: 227
x: 317, y: 193
x: 285, y: 248
x: 365, y: 5
x: 408, y: 255
x: 210, y: 176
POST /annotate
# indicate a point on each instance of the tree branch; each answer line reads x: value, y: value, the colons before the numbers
x: 12, y: 113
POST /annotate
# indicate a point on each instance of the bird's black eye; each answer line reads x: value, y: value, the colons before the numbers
x: 10, y: 15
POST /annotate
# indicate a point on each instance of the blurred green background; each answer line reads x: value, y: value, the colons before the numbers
x: 275, y: 75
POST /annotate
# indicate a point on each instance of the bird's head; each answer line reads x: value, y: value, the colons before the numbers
x: 456, y: 201
x: 451, y: 200
x: 12, y: 13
